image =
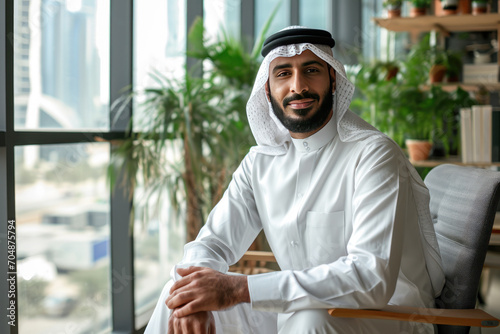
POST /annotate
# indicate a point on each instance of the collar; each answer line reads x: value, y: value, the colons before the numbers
x: 318, y: 139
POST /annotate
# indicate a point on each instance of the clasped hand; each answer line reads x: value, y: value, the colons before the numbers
x: 201, y: 290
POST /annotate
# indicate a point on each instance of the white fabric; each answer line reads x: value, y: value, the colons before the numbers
x: 237, y: 320
x: 343, y: 230
x: 242, y: 320
x: 273, y: 139
x: 340, y: 210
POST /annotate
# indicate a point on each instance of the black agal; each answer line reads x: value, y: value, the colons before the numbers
x: 295, y: 36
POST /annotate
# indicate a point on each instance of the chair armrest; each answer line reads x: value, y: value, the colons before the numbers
x: 254, y: 262
x: 468, y: 317
x: 259, y: 256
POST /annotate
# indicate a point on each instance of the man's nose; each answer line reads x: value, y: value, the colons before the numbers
x: 298, y: 85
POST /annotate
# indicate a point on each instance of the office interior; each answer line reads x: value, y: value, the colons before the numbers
x: 80, y: 257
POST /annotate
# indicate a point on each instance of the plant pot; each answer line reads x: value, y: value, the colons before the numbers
x: 418, y: 149
x: 449, y: 7
x: 464, y: 7
x: 392, y: 13
x: 418, y: 11
x: 437, y: 73
x: 391, y: 73
x: 479, y: 7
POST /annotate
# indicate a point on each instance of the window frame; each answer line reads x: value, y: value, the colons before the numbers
x: 124, y: 319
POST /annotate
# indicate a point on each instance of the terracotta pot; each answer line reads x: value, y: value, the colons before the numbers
x: 414, y: 11
x: 437, y: 73
x: 392, y: 13
x: 418, y: 149
x: 464, y: 7
x: 479, y: 8
x: 391, y: 73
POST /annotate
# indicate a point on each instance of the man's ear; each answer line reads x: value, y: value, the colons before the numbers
x: 267, y: 91
x: 333, y: 79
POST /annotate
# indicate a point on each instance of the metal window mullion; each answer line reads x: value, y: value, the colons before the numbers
x: 194, y: 9
x: 8, y: 278
x: 122, y: 251
x: 247, y: 23
x: 294, y: 12
x: 61, y: 137
x: 346, y: 29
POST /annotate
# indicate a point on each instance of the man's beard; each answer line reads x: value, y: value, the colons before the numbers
x: 310, y: 124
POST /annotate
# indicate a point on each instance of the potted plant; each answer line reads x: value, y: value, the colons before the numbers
x: 480, y: 6
x: 454, y: 66
x: 378, y: 84
x: 438, y: 69
x: 404, y: 109
x: 419, y: 7
x: 393, y: 8
x: 193, y: 131
x: 449, y: 6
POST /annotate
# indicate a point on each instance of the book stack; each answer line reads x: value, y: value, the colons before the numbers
x: 480, y: 73
x: 480, y: 134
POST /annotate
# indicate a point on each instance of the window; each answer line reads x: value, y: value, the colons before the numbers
x: 159, y: 46
x: 222, y: 15
x: 62, y: 211
x: 263, y: 10
x: 315, y: 14
x: 62, y: 203
x: 64, y: 62
x: 68, y: 59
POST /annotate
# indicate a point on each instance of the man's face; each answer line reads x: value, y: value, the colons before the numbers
x: 300, y: 90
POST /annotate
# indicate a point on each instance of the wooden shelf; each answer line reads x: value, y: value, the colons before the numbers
x: 469, y: 86
x: 450, y: 23
x: 451, y: 160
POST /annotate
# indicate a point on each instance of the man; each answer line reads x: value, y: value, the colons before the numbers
x: 344, y: 212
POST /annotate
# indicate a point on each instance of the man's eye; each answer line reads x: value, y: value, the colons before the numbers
x: 312, y: 70
x: 282, y: 74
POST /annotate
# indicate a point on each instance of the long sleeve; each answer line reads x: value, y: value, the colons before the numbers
x: 373, y: 226
x: 230, y: 228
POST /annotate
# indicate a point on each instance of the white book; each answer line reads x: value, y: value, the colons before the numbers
x: 486, y: 118
x: 477, y: 124
x: 466, y: 134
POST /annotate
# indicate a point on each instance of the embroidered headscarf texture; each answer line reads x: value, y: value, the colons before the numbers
x: 274, y: 139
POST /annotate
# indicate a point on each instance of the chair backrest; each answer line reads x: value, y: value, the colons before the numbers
x: 463, y: 205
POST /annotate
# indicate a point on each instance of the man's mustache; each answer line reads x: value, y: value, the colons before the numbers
x: 302, y: 96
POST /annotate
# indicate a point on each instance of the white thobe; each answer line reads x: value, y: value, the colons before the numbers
x: 339, y: 217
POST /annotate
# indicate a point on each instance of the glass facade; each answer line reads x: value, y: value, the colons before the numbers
x: 159, y: 47
x: 62, y: 211
x: 159, y: 43
x: 61, y: 73
x: 222, y: 16
x: 263, y: 11
x: 315, y: 14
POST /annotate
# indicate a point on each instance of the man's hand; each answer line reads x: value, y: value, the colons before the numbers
x: 204, y: 289
x: 198, y: 323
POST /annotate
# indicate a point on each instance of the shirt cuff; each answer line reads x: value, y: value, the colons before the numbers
x: 264, y: 292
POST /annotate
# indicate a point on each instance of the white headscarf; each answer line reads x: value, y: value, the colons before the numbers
x: 273, y: 138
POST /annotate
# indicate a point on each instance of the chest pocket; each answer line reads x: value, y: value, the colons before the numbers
x: 324, y: 237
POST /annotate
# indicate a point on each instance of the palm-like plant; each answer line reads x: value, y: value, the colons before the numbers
x: 194, y: 131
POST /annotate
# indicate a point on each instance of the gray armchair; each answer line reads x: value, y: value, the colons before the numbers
x: 463, y: 205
